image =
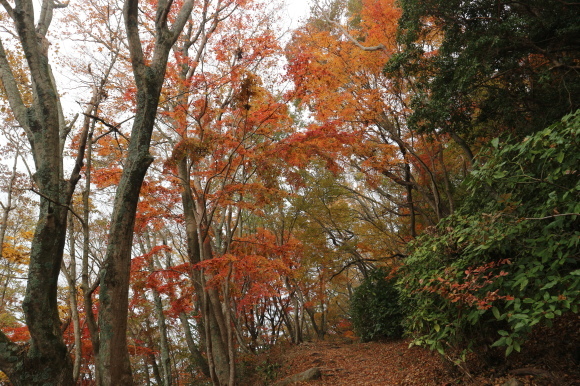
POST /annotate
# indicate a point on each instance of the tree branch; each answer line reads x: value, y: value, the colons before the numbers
x: 58, y: 203
x: 379, y: 47
x: 17, y: 105
x: 8, y: 8
x: 552, y: 216
x: 114, y: 129
x: 181, y: 19
x: 131, y: 15
x: 328, y: 19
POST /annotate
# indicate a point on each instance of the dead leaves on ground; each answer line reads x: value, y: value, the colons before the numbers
x: 391, y: 363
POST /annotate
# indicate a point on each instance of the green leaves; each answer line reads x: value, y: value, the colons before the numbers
x: 375, y: 310
x: 509, y: 258
x: 483, y: 68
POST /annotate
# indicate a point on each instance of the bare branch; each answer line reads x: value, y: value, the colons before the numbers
x: 131, y: 15
x: 48, y: 6
x: 8, y: 8
x: 114, y: 129
x: 328, y: 19
x: 552, y: 216
x: 163, y: 8
x: 57, y: 203
x: 181, y: 19
x: 380, y: 47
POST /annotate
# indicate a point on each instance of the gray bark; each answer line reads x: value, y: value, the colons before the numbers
x: 45, y: 361
x: 215, y: 333
x: 193, y: 348
x: 6, y: 209
x: 161, y: 323
x: 113, y: 352
x: 71, y: 275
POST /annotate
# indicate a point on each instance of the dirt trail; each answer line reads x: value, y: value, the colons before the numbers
x: 547, y: 362
x: 550, y: 357
x: 391, y: 363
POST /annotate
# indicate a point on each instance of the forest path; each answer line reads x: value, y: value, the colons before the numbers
x: 374, y: 363
x: 552, y: 357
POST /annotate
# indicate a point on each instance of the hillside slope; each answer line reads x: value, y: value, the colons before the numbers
x: 550, y: 358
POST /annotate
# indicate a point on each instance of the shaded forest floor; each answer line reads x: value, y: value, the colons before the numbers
x: 552, y: 357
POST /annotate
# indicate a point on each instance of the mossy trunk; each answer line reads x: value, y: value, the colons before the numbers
x: 113, y: 361
x: 44, y: 360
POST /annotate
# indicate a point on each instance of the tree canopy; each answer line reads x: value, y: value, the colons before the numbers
x: 487, y: 67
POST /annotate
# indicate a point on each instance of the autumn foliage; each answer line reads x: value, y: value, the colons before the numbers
x: 185, y: 185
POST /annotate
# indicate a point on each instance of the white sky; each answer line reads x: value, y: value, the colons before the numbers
x: 297, y: 10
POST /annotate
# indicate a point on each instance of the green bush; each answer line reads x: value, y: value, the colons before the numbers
x: 509, y: 259
x: 268, y: 370
x: 374, y: 308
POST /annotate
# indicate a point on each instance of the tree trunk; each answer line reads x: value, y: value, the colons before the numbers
x: 161, y: 324
x: 155, y: 369
x: 215, y: 332
x: 193, y: 349
x: 73, y: 304
x: 410, y: 203
x: 114, y: 296
x: 45, y: 360
x: 86, y: 286
x: 8, y: 207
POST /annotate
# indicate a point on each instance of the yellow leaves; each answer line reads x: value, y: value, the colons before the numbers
x: 17, y: 62
x: 64, y: 311
x: 15, y: 254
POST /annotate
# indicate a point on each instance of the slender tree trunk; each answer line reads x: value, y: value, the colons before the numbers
x: 298, y: 320
x: 147, y: 376
x: 447, y: 183
x: 215, y: 332
x: 230, y: 335
x: 155, y: 368
x: 86, y: 286
x: 287, y: 321
x: 298, y: 299
x: 311, y: 314
x: 8, y: 207
x: 161, y: 324
x: 465, y: 147
x: 71, y: 279
x: 217, y: 323
x: 163, y: 343
x: 193, y: 349
x: 410, y: 203
x: 219, y: 350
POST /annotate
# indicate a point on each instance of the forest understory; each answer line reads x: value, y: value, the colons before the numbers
x: 551, y: 357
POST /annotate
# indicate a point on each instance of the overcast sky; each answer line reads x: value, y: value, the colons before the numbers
x: 297, y: 9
